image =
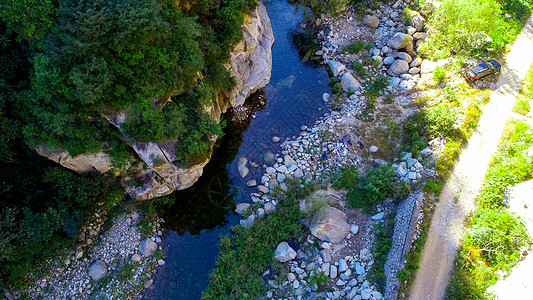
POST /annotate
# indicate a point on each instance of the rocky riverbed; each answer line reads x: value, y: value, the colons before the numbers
x: 338, y: 249
x: 115, y: 263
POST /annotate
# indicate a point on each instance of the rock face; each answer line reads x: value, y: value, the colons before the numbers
x: 402, y: 41
x: 329, y: 225
x: 250, y: 64
x: 251, y: 61
x: 98, y: 270
x: 284, y: 252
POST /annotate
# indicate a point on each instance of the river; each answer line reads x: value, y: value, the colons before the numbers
x: 202, y: 213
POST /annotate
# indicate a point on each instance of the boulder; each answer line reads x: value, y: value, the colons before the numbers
x: 398, y: 68
x: 248, y: 221
x: 420, y: 36
x: 284, y: 252
x: 371, y: 21
x: 402, y: 41
x: 405, y: 56
x: 417, y: 21
x: 388, y: 60
x: 394, y: 82
x: 288, y: 161
x: 136, y: 257
x: 242, y: 207
x: 97, y: 270
x: 414, y: 71
x: 335, y: 67
x: 349, y: 82
x: 329, y: 225
x: 269, y: 207
x: 343, y: 266
x: 427, y: 66
x: 298, y: 173
x: 147, y: 247
x: 241, y: 166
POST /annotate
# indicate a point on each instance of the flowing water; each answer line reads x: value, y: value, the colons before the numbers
x: 202, y: 213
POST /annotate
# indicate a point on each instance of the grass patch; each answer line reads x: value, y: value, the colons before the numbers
x: 248, y: 252
x: 356, y: 47
x: 523, y: 103
x: 495, y: 237
x: 383, y: 244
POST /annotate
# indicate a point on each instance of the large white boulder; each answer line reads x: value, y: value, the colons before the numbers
x: 349, y: 83
x: 329, y: 225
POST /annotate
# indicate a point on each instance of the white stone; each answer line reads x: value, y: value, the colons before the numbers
x: 147, y: 247
x: 284, y: 252
x: 242, y: 207
x: 349, y: 83
x: 98, y: 270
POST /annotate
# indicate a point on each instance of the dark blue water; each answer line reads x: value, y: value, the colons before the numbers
x: 202, y: 213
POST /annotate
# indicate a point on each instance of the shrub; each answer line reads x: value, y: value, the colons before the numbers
x: 314, y: 204
x: 346, y: 177
x: 441, y: 120
x: 355, y: 47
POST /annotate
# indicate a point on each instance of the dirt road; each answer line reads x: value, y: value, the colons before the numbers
x: 458, y: 195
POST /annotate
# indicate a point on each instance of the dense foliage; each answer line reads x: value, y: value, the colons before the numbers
x: 66, y: 64
x: 496, y: 237
x: 247, y: 253
x: 474, y: 26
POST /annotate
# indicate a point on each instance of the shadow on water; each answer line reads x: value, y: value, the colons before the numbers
x: 204, y: 212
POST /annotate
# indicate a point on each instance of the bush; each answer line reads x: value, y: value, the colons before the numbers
x: 314, y: 204
x: 356, y: 46
x: 378, y: 184
x: 471, y: 26
x: 441, y: 120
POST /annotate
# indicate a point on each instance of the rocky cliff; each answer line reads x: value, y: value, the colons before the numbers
x: 157, y: 175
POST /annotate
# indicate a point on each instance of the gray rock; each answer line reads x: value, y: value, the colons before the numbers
x: 377, y: 295
x: 340, y: 282
x: 160, y: 262
x: 402, y: 41
x: 365, y: 295
x: 401, y: 171
x: 136, y: 257
x: 251, y: 183
x: 280, y: 177
x: 269, y: 207
x: 325, y: 97
x: 326, y: 255
x: 418, y: 22
x: 343, y: 266
x: 241, y: 166
x: 373, y: 149
x: 354, y: 229
x: 329, y: 225
x: 97, y: 270
x: 270, y: 170
x: 147, y: 247
x: 416, y: 62
x: 414, y: 71
x: 276, y: 139
x: 291, y: 277
x: 398, y: 67
x: 248, y: 221
x: 388, y: 60
x: 371, y: 21
x: 412, y: 175
x: 351, y: 294
x: 263, y: 189
x: 298, y: 173
x: 394, y: 82
x: 411, y: 162
x: 284, y: 252
x: 282, y: 169
x: 288, y: 161
x: 349, y: 82
x: 242, y: 207
x: 335, y: 67
x: 405, y: 56
x: 333, y: 271
x: 378, y: 216
x: 420, y: 36
x: 359, y: 269
x: 411, y: 30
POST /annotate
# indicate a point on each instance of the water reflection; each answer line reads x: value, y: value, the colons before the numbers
x: 203, y: 213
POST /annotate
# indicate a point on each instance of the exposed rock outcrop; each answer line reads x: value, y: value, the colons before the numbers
x: 250, y: 65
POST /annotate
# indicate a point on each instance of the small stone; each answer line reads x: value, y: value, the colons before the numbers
x: 333, y: 271
x: 160, y: 262
x: 251, y: 183
x: 276, y: 139
x: 373, y: 149
x: 291, y: 277
x: 298, y: 173
x: 263, y: 189
x: 343, y: 266
x: 354, y: 229
x: 248, y: 221
x: 136, y: 257
x: 241, y: 166
x: 378, y: 216
x: 359, y: 269
x: 269, y: 207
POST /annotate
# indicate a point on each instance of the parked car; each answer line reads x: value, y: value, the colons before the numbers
x: 483, y: 70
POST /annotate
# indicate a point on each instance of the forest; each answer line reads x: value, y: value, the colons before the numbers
x: 65, y: 66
